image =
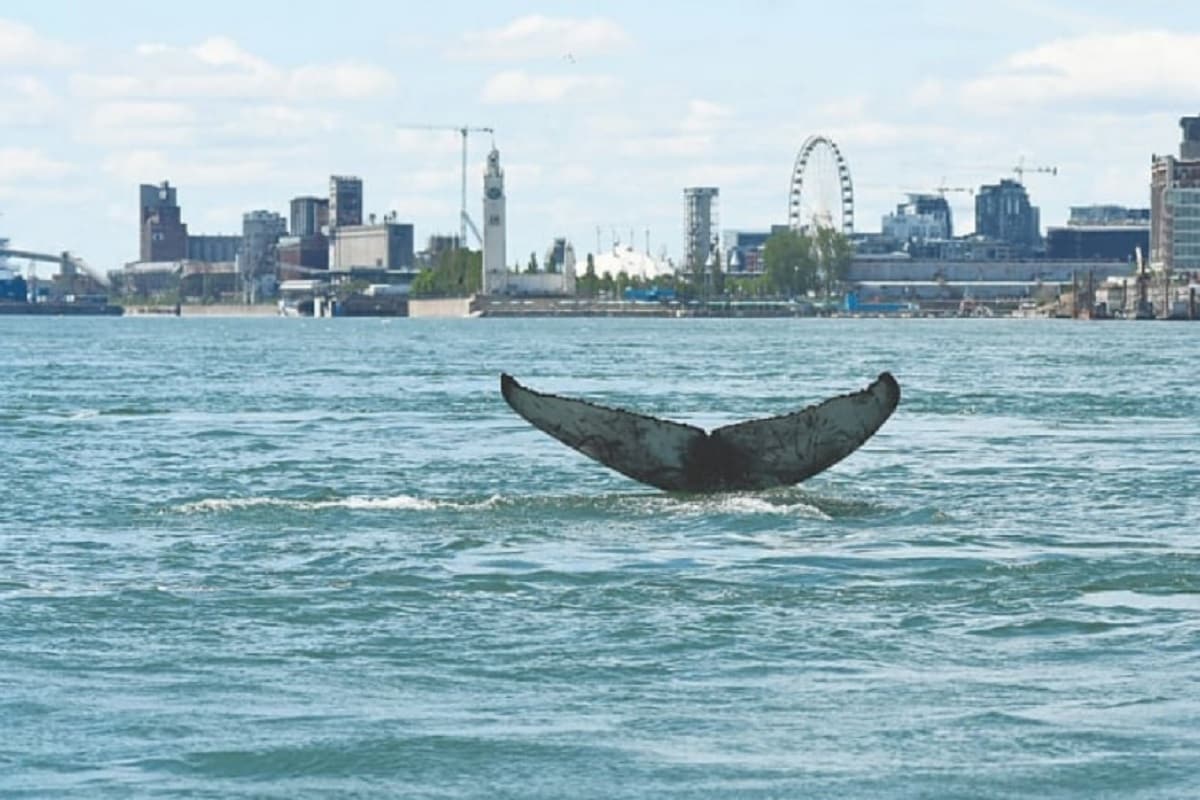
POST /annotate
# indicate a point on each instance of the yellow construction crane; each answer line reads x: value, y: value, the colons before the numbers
x: 464, y: 219
x: 1020, y: 169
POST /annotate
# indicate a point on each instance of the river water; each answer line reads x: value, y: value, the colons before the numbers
x: 314, y: 558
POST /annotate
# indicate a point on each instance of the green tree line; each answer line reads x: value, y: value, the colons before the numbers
x: 457, y: 273
x: 795, y: 264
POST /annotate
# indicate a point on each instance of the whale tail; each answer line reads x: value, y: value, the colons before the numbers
x: 757, y: 454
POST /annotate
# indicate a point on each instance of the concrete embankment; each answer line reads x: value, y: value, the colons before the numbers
x: 442, y: 307
x: 573, y: 307
x: 577, y: 307
x: 213, y: 310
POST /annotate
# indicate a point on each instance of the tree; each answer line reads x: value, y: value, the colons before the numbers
x: 699, y: 279
x: 833, y: 253
x: 532, y: 266
x: 622, y: 283
x: 716, y: 275
x: 587, y: 285
x: 789, y: 264
x: 457, y: 273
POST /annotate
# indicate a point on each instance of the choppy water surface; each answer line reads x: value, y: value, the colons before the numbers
x: 284, y: 558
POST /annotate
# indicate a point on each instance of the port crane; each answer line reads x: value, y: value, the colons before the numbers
x: 464, y: 220
x: 1020, y: 169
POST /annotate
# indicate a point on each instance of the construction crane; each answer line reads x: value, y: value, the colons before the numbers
x: 943, y: 189
x: 1020, y: 169
x: 464, y: 219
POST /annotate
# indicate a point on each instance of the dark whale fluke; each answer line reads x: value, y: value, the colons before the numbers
x: 757, y: 454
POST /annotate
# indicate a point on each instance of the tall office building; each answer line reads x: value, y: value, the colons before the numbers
x: 345, y: 201
x: 1175, y: 203
x: 311, y: 214
x: 1189, y: 147
x: 259, y: 257
x: 924, y: 216
x: 162, y: 234
x: 700, y: 226
x: 1003, y: 212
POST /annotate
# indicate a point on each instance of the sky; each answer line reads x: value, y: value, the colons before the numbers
x: 602, y: 111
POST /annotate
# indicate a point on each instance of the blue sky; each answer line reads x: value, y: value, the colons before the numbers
x: 603, y: 112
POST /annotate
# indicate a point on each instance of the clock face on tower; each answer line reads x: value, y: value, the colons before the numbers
x: 493, y: 193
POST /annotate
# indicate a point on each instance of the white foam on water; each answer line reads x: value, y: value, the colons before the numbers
x: 403, y: 502
x: 1143, y: 601
x: 745, y: 504
x: 733, y: 504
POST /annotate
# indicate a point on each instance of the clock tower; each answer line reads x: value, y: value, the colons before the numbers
x: 495, y: 271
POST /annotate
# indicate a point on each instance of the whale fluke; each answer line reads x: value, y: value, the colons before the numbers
x: 757, y: 454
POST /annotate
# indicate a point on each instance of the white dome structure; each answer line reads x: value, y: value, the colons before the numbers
x: 632, y: 263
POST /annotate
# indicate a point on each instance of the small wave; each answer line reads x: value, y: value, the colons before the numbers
x: 748, y: 504
x: 1049, y: 627
x: 132, y: 411
x: 1143, y: 601
x: 403, y: 502
x: 789, y: 504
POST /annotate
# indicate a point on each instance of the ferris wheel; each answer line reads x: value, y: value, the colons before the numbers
x: 822, y: 194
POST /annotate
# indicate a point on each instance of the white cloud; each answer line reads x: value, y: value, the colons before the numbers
x: 275, y: 122
x: 221, y: 51
x: 842, y: 108
x: 346, y: 81
x: 218, y: 68
x: 125, y: 123
x: 209, y: 170
x: 682, y: 145
x: 575, y: 175
x: 724, y: 175
x: 20, y: 44
x: 537, y: 36
x: 150, y: 84
x: 1145, y: 64
x: 410, y: 205
x: 140, y: 166
x: 883, y: 134
x: 30, y: 164
x: 523, y: 175
x: 26, y: 101
x: 423, y: 141
x: 517, y: 86
x: 434, y: 180
x: 135, y: 114
x: 704, y: 115
x: 929, y: 93
x: 121, y: 212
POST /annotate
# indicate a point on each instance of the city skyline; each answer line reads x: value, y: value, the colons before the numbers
x: 603, y: 113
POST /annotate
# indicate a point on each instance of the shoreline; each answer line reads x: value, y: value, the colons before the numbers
x: 215, y: 310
